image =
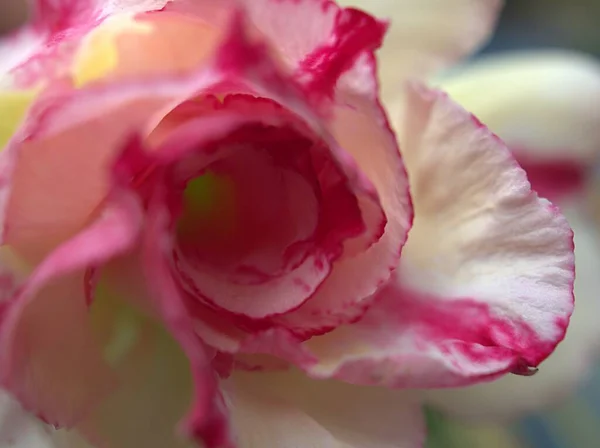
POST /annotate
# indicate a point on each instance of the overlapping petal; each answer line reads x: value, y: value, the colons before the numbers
x: 485, y: 282
x: 483, y: 249
x: 53, y: 366
x: 537, y: 94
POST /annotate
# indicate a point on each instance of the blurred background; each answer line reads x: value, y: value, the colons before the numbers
x: 570, y: 24
x: 525, y: 24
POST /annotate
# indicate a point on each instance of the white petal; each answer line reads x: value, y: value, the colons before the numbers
x: 565, y: 369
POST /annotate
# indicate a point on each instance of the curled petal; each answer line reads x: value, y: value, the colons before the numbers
x: 53, y: 366
x: 498, y: 242
x: 511, y: 396
x: 43, y: 209
x: 361, y: 127
x: 248, y: 64
x: 485, y: 284
x: 294, y: 29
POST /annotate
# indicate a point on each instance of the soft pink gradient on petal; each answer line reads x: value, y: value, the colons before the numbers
x: 45, y: 207
x: 207, y: 420
x: 361, y: 127
x: 53, y: 365
x: 148, y: 45
x: 515, y: 251
x: 354, y: 34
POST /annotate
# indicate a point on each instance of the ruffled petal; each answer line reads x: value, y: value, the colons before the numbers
x: 565, y: 369
x: 296, y: 28
x: 426, y: 35
x: 44, y: 208
x: 485, y: 284
x: 304, y: 412
x: 54, y: 366
x: 543, y: 104
x: 361, y: 127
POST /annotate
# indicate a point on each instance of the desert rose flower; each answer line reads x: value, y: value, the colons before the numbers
x: 544, y: 105
x: 210, y: 236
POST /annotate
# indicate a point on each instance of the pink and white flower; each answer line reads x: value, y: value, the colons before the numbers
x: 544, y: 104
x: 206, y: 214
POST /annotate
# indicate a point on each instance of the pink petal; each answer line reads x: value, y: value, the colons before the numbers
x: 485, y: 284
x: 294, y: 28
x: 248, y: 65
x: 361, y: 127
x: 289, y: 410
x: 206, y: 420
x: 355, y: 33
x: 44, y: 208
x: 53, y: 366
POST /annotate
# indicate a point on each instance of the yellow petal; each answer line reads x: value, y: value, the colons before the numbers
x: 128, y: 46
x: 98, y: 55
x: 13, y: 107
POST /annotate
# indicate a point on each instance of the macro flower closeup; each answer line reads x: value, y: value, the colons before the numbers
x: 211, y: 237
x: 544, y: 105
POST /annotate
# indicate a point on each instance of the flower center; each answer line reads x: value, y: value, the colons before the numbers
x: 209, y: 208
x: 249, y: 213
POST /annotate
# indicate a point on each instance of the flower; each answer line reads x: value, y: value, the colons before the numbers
x: 544, y: 105
x: 182, y: 224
